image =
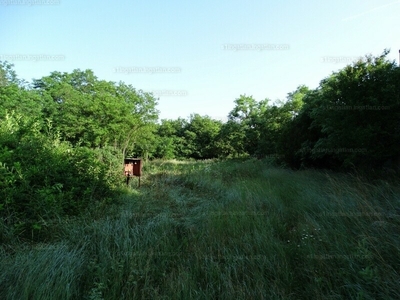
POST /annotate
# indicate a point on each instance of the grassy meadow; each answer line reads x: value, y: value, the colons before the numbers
x: 242, y: 229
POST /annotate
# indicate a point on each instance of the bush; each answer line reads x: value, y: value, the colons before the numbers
x: 43, y: 178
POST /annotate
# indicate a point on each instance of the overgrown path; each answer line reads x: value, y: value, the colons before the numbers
x: 224, y: 230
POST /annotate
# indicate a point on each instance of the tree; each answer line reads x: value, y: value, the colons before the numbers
x: 14, y: 96
x: 359, y: 113
x: 7, y: 74
x: 246, y: 113
x: 298, y: 136
x: 231, y: 140
x: 96, y: 113
x: 171, y: 143
x: 351, y: 120
x: 200, y: 136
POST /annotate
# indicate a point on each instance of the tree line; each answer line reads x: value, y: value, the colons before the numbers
x: 63, y: 136
x: 350, y: 121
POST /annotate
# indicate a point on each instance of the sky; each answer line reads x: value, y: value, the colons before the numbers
x: 197, y: 56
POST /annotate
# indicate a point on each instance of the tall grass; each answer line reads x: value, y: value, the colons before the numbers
x: 222, y: 230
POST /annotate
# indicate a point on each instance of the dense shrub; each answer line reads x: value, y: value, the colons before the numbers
x: 42, y: 178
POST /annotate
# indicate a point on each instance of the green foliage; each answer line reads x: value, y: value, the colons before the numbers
x: 95, y: 113
x: 7, y: 74
x: 200, y: 136
x: 60, y: 142
x: 231, y: 140
x: 43, y: 178
x: 255, y: 128
x: 246, y: 113
x: 196, y: 138
x: 44, y: 272
x: 16, y: 99
x: 235, y: 229
x: 350, y: 120
x: 359, y: 109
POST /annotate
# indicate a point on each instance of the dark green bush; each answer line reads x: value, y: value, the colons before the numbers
x: 43, y: 178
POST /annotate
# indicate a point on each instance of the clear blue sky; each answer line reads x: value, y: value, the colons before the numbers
x: 195, y: 41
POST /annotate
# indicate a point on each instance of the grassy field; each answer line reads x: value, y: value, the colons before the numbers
x: 220, y: 230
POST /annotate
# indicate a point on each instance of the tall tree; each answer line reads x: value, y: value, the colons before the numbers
x: 246, y: 113
x: 351, y: 120
x: 15, y: 96
x: 359, y: 112
x: 7, y: 74
x: 200, y: 136
x: 95, y: 112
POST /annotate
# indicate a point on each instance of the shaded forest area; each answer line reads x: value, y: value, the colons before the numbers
x: 63, y: 137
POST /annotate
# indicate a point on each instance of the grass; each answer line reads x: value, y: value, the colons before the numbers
x: 220, y: 230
